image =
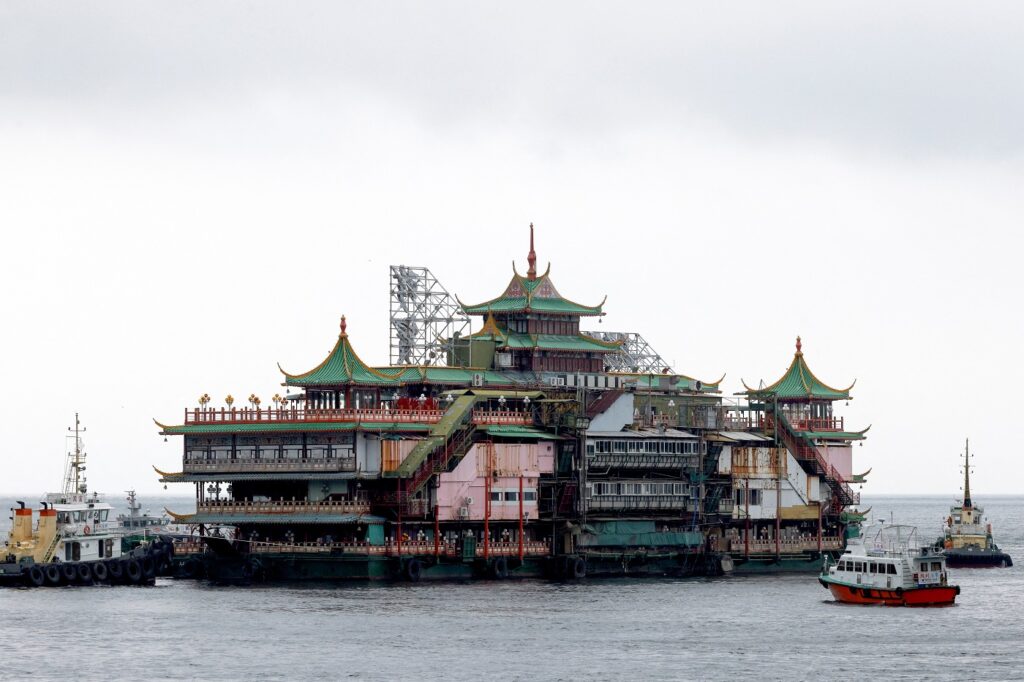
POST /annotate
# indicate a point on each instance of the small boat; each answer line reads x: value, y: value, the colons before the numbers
x: 893, y: 572
x: 967, y: 538
x: 74, y: 540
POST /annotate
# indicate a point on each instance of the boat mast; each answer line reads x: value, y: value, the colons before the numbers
x: 74, y: 479
x: 967, y: 475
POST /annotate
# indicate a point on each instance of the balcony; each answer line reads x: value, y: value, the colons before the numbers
x: 799, y: 423
x: 247, y: 507
x: 642, y: 460
x: 302, y: 415
x: 201, y: 466
x: 407, y: 548
x: 646, y: 502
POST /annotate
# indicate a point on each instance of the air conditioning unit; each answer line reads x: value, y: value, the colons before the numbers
x: 478, y: 379
x: 503, y: 359
x: 463, y: 512
x: 557, y: 381
x: 469, y: 501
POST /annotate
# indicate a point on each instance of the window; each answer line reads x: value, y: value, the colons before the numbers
x: 892, y: 569
x: 936, y: 565
x: 512, y: 496
x: 495, y: 496
x: 872, y: 568
x: 104, y: 514
x: 529, y: 496
x: 76, y: 551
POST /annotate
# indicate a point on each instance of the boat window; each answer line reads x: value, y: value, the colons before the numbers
x: 99, y: 546
x: 104, y: 513
x: 892, y: 569
x: 63, y: 517
x: 936, y: 565
x: 495, y: 496
x: 77, y: 516
x: 67, y: 551
x: 76, y: 551
x: 872, y: 568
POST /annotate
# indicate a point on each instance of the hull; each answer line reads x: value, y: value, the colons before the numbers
x: 785, y: 564
x: 919, y: 596
x: 977, y: 559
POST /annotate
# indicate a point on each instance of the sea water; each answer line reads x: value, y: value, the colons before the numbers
x: 737, y: 627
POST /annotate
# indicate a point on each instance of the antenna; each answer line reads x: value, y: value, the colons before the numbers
x: 74, y: 479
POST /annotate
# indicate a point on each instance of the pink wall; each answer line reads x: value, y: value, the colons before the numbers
x: 841, y: 457
x: 508, y: 462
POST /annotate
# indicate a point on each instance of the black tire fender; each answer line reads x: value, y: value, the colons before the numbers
x: 414, y: 570
x: 579, y: 568
x: 99, y: 572
x: 34, y: 576
x: 500, y: 568
x: 133, y: 570
x: 148, y: 567
x: 115, y: 570
x: 68, y: 573
x: 53, y: 574
x: 190, y: 569
x: 83, y: 572
x: 899, y: 591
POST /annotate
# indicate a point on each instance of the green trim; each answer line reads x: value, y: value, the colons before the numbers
x: 514, y: 431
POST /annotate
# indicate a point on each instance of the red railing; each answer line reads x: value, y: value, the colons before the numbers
x: 406, y: 547
x: 502, y: 417
x: 250, y: 415
x: 294, y: 414
x: 816, y: 424
x: 243, y: 507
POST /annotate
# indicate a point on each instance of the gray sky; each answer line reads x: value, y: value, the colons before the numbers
x: 190, y: 194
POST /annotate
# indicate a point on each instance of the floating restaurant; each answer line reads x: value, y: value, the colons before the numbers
x: 528, y: 447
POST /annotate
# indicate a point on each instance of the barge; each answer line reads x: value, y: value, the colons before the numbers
x: 527, y: 447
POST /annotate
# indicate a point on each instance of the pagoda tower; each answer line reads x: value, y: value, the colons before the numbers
x: 535, y: 329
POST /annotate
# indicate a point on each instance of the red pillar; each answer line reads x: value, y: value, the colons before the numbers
x: 520, y: 518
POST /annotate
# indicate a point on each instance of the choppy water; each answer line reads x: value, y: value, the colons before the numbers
x: 765, y: 627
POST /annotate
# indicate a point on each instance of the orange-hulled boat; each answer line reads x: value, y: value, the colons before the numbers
x: 893, y: 571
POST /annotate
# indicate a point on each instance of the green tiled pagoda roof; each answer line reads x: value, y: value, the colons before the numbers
x: 670, y: 381
x: 275, y: 427
x: 343, y: 366
x: 516, y: 431
x: 799, y: 382
x: 578, y: 342
x: 536, y: 295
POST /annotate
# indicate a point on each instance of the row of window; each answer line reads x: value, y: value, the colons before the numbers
x: 635, y: 445
x: 646, y: 488
x: 752, y: 496
x: 269, y: 452
x: 513, y: 496
x: 885, y: 568
x: 85, y: 515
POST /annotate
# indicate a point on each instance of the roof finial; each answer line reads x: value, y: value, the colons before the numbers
x: 799, y: 346
x: 531, y: 274
x: 344, y: 326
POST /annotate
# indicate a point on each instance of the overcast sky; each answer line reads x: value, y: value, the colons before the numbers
x: 193, y: 192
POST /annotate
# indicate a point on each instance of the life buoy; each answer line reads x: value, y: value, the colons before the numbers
x: 87, y: 530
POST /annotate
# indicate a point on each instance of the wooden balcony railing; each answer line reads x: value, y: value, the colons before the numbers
x: 502, y: 417
x: 816, y: 424
x: 295, y: 414
x: 407, y: 548
x: 267, y: 466
x: 244, y: 507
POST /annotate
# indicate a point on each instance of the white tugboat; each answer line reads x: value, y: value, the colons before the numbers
x: 74, y: 540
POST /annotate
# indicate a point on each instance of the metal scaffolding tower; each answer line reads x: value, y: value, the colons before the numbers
x: 425, y: 318
x: 636, y: 354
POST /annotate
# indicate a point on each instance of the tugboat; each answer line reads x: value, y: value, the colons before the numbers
x: 74, y: 541
x: 893, y: 572
x: 965, y: 542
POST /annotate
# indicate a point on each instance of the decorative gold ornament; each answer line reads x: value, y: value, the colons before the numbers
x: 230, y: 400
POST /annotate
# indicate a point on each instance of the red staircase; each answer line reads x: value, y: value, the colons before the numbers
x: 808, y: 454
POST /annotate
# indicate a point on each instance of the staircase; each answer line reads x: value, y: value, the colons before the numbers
x: 48, y: 554
x: 808, y: 454
x: 449, y: 440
